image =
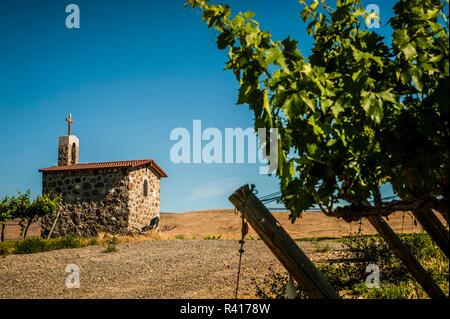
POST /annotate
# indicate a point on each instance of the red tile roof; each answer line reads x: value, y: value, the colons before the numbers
x: 102, y: 165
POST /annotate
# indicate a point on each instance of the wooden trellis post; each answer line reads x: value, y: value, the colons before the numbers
x: 282, y: 246
x: 445, y: 215
x: 408, y: 259
x: 433, y: 226
x: 53, y: 225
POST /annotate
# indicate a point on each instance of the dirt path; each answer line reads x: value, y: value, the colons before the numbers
x: 153, y: 269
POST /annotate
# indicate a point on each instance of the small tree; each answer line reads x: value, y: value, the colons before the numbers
x: 40, y: 207
x: 30, y: 211
x: 20, y: 209
x: 5, y: 213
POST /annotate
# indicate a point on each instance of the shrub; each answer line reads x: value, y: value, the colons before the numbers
x: 30, y: 245
x: 6, y: 247
x: 321, y: 248
x: 274, y: 286
x: 92, y: 242
x: 3, y: 251
x: 111, y: 244
x: 402, y: 290
x: 69, y: 241
x: 35, y: 244
x: 212, y: 237
x: 348, y: 276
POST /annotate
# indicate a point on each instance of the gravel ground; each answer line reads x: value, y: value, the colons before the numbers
x: 152, y: 269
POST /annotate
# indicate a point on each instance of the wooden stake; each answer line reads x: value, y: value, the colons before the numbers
x: 444, y: 214
x: 408, y: 259
x: 54, y: 223
x: 282, y: 246
x: 433, y: 226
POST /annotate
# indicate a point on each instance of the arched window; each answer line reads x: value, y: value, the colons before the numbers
x: 145, y: 188
x: 74, y: 154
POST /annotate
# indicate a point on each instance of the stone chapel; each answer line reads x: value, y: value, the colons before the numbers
x: 113, y: 197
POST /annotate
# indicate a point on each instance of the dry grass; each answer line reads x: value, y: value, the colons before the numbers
x: 227, y: 224
x: 103, y: 237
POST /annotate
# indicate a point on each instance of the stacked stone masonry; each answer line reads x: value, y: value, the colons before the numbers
x: 68, y: 150
x: 114, y: 200
x: 143, y: 199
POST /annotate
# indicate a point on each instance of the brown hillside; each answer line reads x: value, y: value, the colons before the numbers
x: 225, y: 222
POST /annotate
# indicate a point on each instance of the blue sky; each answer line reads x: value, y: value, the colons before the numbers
x: 133, y: 72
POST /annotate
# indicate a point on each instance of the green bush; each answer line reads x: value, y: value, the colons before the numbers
x: 111, y: 244
x: 30, y: 245
x: 212, y: 237
x: 92, y: 242
x: 3, y: 251
x: 402, y: 290
x: 349, y: 275
x: 66, y: 242
x: 321, y: 248
x: 35, y: 244
x: 395, y: 279
x: 274, y: 286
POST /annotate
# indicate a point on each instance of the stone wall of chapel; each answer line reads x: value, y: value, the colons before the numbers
x: 84, y: 185
x: 93, y: 201
x: 143, y: 208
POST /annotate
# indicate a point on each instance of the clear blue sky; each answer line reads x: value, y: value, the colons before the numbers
x: 133, y: 72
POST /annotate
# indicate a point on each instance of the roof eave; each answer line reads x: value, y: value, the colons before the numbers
x: 152, y: 164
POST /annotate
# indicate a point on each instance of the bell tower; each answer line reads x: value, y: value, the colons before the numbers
x: 69, y: 147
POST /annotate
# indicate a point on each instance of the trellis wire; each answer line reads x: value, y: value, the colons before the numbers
x: 277, y: 196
